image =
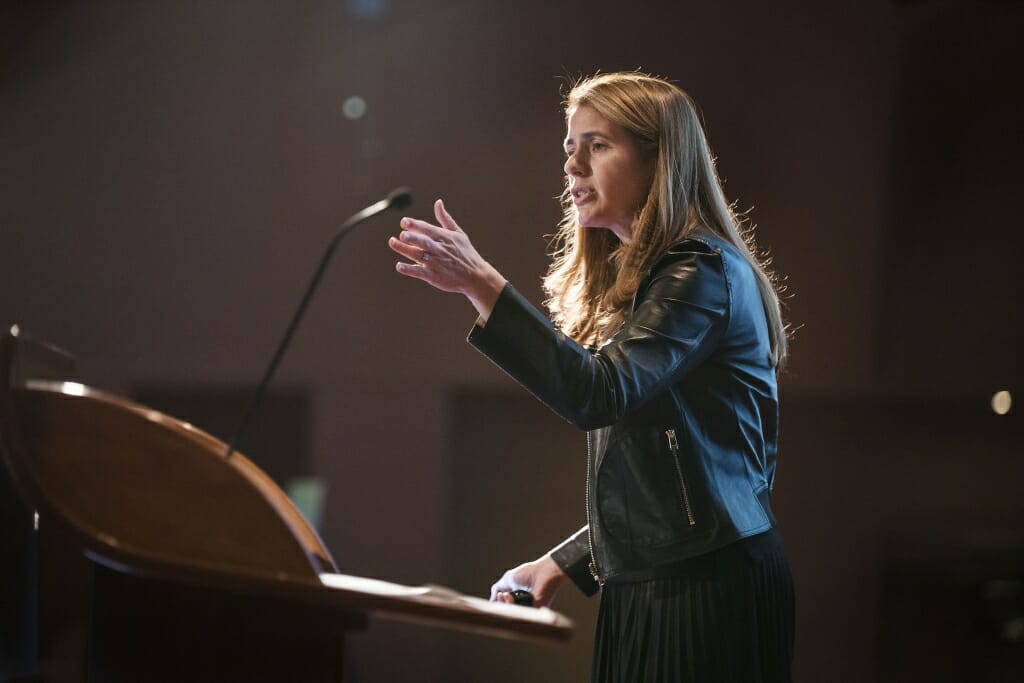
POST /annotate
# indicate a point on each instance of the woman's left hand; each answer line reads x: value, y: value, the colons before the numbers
x: 541, y: 578
x: 443, y: 257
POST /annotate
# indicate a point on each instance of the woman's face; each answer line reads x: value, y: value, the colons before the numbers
x: 609, y: 175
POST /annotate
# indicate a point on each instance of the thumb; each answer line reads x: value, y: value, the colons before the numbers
x: 445, y: 218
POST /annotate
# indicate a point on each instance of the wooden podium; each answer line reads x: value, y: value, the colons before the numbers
x: 198, y: 567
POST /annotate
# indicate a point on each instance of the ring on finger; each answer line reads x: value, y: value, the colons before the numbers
x: 425, y: 257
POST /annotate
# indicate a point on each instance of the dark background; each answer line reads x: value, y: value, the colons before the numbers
x: 170, y: 172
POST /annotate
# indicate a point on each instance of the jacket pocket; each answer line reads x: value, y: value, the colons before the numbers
x: 643, y: 498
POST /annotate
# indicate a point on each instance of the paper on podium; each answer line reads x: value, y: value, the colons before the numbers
x: 442, y: 596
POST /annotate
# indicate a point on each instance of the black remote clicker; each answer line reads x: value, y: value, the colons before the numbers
x: 521, y: 597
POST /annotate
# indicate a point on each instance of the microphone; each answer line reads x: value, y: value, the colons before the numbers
x: 399, y: 198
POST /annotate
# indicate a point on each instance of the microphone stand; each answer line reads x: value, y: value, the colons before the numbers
x: 397, y: 199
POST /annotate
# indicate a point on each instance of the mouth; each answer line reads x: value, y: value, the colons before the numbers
x: 581, y: 195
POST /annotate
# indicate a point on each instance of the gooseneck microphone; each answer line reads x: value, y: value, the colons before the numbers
x: 397, y: 199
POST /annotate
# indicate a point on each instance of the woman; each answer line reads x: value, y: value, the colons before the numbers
x: 666, y: 341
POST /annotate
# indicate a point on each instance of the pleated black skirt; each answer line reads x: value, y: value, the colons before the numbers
x: 724, y: 617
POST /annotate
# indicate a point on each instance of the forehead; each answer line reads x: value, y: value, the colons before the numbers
x: 583, y: 121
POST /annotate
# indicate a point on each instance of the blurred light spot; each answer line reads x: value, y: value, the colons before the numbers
x: 367, y: 9
x: 1013, y: 630
x: 309, y: 495
x: 354, y: 107
x: 1002, y: 401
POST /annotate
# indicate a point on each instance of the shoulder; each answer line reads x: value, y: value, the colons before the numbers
x: 712, y: 255
x: 697, y: 254
x: 692, y: 270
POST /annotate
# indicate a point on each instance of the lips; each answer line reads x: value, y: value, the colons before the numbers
x: 581, y: 195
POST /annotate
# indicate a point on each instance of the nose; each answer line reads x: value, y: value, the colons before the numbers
x: 574, y: 165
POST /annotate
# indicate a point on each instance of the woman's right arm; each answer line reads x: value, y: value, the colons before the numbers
x: 678, y: 323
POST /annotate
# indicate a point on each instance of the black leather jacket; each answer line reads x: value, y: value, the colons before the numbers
x: 681, y: 408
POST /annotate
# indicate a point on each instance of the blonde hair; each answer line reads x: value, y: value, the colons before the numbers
x: 593, y: 277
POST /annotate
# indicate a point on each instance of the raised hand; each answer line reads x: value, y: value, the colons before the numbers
x: 443, y: 257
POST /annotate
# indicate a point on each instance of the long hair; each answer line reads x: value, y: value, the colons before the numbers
x: 593, y: 277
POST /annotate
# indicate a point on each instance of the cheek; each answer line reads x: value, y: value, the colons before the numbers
x: 634, y: 194
x: 631, y: 185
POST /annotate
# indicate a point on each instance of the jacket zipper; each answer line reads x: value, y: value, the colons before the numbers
x: 594, y: 571
x: 673, y: 445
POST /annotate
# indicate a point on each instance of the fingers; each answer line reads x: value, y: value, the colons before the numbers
x: 413, y: 270
x: 417, y: 268
x: 502, y: 587
x: 415, y: 226
x: 410, y: 247
x: 427, y: 235
x: 442, y: 256
x: 501, y: 591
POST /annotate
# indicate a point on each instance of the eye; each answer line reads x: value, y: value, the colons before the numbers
x: 598, y: 145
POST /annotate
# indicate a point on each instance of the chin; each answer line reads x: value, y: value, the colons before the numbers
x: 601, y: 225
x: 596, y: 224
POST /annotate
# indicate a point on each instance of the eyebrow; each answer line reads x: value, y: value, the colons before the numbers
x: 589, y: 135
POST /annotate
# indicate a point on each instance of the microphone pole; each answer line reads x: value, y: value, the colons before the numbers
x: 397, y: 199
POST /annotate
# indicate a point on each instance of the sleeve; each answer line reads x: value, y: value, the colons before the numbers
x: 573, y: 557
x: 677, y: 323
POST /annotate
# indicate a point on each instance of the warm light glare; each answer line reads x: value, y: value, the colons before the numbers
x: 1002, y: 401
x: 72, y: 389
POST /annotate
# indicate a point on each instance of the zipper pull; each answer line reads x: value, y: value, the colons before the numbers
x: 593, y: 572
x: 673, y: 443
